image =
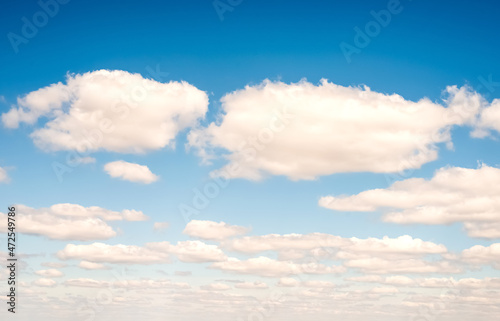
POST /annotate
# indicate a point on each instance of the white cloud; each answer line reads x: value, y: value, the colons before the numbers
x: 454, y: 194
x: 264, y: 266
x: 318, y: 284
x: 104, y: 253
x: 486, y: 230
x: 44, y: 282
x: 396, y: 280
x: 215, y: 287
x: 191, y: 251
x: 209, y: 230
x: 61, y: 228
x: 160, y: 226
x: 75, y: 210
x: 92, y: 266
x: 303, y: 131
x: 399, y: 280
x: 130, y: 172
x: 287, y: 282
x: 251, y: 285
x: 286, y: 242
x: 488, y: 120
x: 50, y: 273
x: 321, y: 245
x: 409, y: 266
x: 71, y: 221
x: 481, y: 255
x: 4, y: 178
x: 151, y: 253
x: 110, y: 110
x: 87, y: 283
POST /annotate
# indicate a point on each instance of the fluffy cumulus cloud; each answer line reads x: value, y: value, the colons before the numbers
x: 50, y: 273
x: 286, y: 242
x: 403, y: 254
x: 92, y: 266
x: 215, y: 287
x: 72, y: 221
x: 109, y: 110
x: 130, y: 172
x: 453, y: 194
x: 209, y: 230
x: 303, y: 131
x: 318, y: 245
x: 105, y: 253
x: 489, y: 120
x: 191, y: 251
x: 151, y: 253
x: 264, y: 266
x: 45, y: 282
x: 481, y: 255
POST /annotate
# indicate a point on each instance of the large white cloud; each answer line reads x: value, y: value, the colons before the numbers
x: 151, y: 253
x: 191, y: 251
x: 130, y: 172
x: 321, y: 245
x: 71, y: 221
x: 483, y: 255
x: 110, y: 110
x: 75, y: 210
x: 209, y: 230
x: 303, y: 131
x: 105, y: 253
x: 264, y: 266
x: 454, y: 194
x: 286, y: 242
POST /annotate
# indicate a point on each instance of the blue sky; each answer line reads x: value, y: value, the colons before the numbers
x: 220, y: 70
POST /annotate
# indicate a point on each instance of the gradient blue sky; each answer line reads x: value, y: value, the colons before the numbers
x: 428, y: 46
